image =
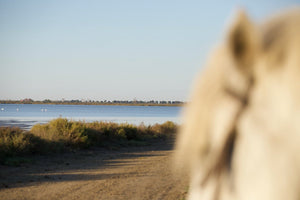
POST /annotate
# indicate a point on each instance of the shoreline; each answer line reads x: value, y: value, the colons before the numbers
x: 27, y: 123
x: 22, y: 124
x: 94, y: 103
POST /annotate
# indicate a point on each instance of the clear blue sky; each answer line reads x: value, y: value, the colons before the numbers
x: 114, y: 49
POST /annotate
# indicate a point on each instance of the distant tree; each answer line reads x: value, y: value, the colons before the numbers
x: 27, y: 101
x: 47, y: 101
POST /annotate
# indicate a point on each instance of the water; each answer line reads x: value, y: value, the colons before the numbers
x: 26, y: 115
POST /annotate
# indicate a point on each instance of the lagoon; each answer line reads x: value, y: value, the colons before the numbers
x: 26, y: 115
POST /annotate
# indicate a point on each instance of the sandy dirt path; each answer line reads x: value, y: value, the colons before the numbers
x: 129, y: 173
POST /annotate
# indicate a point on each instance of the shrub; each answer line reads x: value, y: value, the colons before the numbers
x: 73, y: 134
x: 16, y: 142
x: 164, y: 130
x: 131, y: 132
x: 62, y: 134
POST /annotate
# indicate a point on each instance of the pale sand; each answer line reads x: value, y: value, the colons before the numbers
x: 129, y: 173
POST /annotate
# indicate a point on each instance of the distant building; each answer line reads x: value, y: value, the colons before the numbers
x: 27, y: 100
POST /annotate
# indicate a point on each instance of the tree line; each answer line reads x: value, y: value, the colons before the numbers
x: 94, y: 102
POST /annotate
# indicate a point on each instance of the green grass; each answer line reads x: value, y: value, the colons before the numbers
x: 62, y: 135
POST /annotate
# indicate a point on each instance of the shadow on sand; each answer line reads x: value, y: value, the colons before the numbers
x: 77, y: 166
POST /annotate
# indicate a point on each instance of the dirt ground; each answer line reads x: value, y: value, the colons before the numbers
x: 127, y: 173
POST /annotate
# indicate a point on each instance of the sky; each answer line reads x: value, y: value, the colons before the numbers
x: 112, y: 49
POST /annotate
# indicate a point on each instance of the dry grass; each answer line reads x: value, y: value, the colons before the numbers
x: 61, y: 134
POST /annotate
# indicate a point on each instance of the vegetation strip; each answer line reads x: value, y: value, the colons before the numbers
x: 92, y: 102
x: 62, y: 135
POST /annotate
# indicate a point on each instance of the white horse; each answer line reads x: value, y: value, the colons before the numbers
x: 240, y: 137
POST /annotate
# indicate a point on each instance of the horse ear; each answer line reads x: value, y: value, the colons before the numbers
x: 243, y: 41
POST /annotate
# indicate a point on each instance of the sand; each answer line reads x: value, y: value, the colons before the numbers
x: 126, y: 173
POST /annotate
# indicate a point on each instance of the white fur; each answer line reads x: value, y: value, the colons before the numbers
x: 250, y: 87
